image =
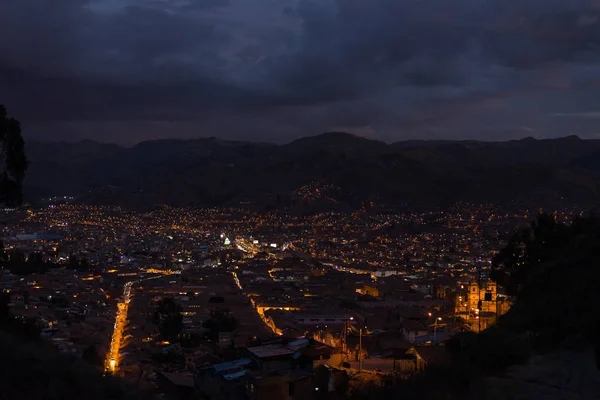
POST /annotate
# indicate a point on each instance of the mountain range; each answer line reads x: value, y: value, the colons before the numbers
x: 347, y: 170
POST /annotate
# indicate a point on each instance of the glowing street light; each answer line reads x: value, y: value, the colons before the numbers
x: 435, y: 325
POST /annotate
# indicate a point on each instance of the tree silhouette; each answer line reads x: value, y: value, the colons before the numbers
x: 78, y: 264
x: 552, y: 266
x: 90, y: 354
x: 13, y: 162
x: 168, y: 318
x: 3, y: 254
x: 220, y: 321
x: 4, y: 308
x: 544, y: 240
x: 21, y: 264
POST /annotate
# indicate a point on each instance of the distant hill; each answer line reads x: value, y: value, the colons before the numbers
x: 210, y: 171
x: 339, y: 143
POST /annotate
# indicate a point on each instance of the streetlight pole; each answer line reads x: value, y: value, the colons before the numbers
x: 360, y: 351
x: 435, y: 325
x: 344, y: 336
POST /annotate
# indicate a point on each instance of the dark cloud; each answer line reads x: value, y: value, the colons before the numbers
x: 278, y: 69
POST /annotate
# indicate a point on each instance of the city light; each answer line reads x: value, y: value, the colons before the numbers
x: 113, y: 355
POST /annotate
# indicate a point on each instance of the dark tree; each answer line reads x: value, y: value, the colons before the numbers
x: 83, y: 265
x: 4, y: 309
x: 168, y: 318
x: 20, y: 264
x: 13, y: 162
x: 73, y: 261
x: 551, y: 267
x: 191, y: 339
x: 3, y: 254
x: 90, y: 354
x: 544, y: 240
x: 349, y: 304
x: 78, y: 264
x: 220, y: 320
x: 17, y: 263
x: 26, y: 296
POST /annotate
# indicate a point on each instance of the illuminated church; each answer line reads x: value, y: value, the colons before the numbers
x: 479, y: 304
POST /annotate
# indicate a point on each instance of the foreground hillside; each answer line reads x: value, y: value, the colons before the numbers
x: 547, y: 345
x: 217, y: 172
x: 554, y: 376
x: 36, y: 371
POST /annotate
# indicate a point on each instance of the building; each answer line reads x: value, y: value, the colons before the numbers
x: 283, y: 386
x: 367, y: 290
x: 480, y: 304
x: 271, y: 357
x: 413, y: 329
x: 427, y: 356
x: 223, y: 380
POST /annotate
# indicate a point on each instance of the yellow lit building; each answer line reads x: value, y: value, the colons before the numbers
x: 368, y: 291
x: 441, y: 292
x: 479, y: 304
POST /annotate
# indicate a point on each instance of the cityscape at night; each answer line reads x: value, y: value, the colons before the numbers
x: 375, y: 293
x: 299, y: 199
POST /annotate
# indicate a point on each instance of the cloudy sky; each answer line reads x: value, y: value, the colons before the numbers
x: 274, y: 70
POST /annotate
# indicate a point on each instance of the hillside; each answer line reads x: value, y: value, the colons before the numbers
x: 36, y: 370
x: 210, y: 171
x: 546, y: 346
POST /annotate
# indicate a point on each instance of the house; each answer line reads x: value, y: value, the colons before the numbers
x: 271, y: 357
x: 222, y: 380
x: 315, y: 355
x: 180, y: 384
x: 283, y: 386
x: 272, y: 371
x: 413, y: 329
x: 320, y: 383
x: 428, y: 355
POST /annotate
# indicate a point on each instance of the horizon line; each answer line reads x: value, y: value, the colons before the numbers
x: 184, y: 139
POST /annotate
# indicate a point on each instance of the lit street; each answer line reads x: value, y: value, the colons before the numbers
x: 112, y: 357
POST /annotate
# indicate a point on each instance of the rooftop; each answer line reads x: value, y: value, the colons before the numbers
x: 231, y: 364
x: 270, y: 350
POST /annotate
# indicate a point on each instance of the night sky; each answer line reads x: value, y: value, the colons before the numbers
x: 274, y: 70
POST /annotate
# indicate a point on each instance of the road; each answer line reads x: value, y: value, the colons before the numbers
x: 113, y: 356
x: 246, y: 246
x: 250, y: 248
